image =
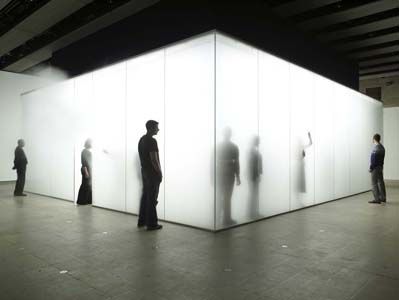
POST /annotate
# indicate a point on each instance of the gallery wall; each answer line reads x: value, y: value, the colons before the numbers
x: 297, y: 138
x: 12, y: 86
x: 390, y: 141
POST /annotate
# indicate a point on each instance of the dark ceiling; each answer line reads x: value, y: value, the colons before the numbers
x: 32, y: 30
x: 366, y: 31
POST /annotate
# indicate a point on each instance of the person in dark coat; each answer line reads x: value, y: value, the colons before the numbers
x: 20, y: 162
x: 85, y: 190
x: 152, y: 177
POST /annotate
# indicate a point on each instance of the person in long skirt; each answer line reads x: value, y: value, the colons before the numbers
x: 85, y: 192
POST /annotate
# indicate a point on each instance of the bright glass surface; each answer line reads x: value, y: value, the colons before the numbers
x: 323, y: 137
x: 360, y: 141
x: 189, y: 127
x: 390, y: 141
x: 274, y: 133
x: 48, y: 115
x: 299, y: 138
x: 109, y: 149
x: 35, y: 128
x: 372, y: 124
x: 60, y: 141
x: 301, y: 85
x: 375, y: 116
x: 341, y: 108
x: 236, y: 129
x: 145, y: 101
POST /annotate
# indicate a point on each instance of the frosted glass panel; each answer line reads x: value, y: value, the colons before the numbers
x: 390, y: 141
x: 372, y: 125
x: 224, y: 108
x: 236, y: 128
x: 302, y: 136
x: 36, y: 124
x: 360, y: 129
x: 145, y: 101
x: 274, y: 133
x: 377, y: 116
x: 84, y: 121
x: 323, y: 137
x: 189, y: 124
x: 375, y: 119
x: 61, y: 133
x: 341, y: 107
x: 48, y: 132
x: 109, y: 91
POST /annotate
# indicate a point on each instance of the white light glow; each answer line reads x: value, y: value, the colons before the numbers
x: 301, y: 139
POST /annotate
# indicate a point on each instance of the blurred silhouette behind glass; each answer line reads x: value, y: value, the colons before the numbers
x: 228, y: 171
x: 302, y: 163
x: 20, y: 163
x: 85, y: 190
x: 255, y: 170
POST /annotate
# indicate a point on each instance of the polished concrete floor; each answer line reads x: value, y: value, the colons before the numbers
x: 51, y: 249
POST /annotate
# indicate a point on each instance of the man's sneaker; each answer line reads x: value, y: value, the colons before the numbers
x: 375, y: 202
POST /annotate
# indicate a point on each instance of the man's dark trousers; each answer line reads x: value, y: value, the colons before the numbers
x: 20, y: 184
x: 377, y: 181
x: 148, y: 212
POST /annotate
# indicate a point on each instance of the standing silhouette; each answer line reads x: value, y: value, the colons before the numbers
x: 228, y: 169
x: 255, y: 171
x: 302, y: 163
x: 152, y: 177
x: 376, y: 169
x: 85, y: 190
x: 20, y: 162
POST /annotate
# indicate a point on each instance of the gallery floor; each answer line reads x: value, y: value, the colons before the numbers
x: 51, y: 249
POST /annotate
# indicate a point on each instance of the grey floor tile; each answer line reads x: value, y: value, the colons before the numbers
x: 342, y: 250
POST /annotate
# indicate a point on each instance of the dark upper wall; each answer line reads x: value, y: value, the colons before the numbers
x: 172, y: 20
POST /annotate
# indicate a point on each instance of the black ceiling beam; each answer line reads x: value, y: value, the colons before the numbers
x: 16, y: 11
x: 372, y: 47
x: 359, y: 21
x: 329, y: 9
x: 275, y: 3
x: 81, y: 17
x: 380, y: 72
x: 378, y: 56
x: 386, y: 64
x: 365, y: 36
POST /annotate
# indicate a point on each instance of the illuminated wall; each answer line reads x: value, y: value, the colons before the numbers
x: 226, y: 110
x: 390, y: 140
x: 12, y: 85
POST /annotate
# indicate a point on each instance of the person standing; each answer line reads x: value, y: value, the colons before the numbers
x: 85, y: 190
x: 152, y: 177
x: 228, y: 170
x: 20, y: 162
x: 376, y: 170
x: 255, y: 174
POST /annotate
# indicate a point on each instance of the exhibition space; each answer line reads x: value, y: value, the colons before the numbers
x: 301, y: 139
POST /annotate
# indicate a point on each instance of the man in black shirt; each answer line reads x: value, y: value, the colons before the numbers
x: 152, y: 177
x: 20, y: 163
